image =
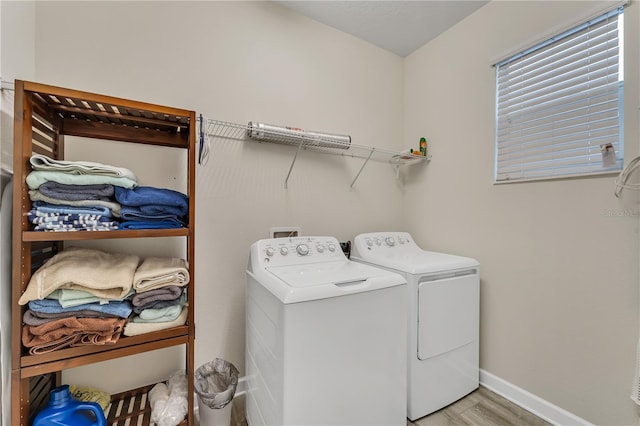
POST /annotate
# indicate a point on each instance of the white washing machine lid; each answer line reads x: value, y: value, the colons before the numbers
x: 406, y: 256
x: 301, y: 283
x: 321, y: 274
x: 309, y: 268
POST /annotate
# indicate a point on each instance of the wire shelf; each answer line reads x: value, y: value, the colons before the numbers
x: 312, y: 141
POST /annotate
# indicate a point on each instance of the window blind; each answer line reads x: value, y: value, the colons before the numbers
x: 559, y: 104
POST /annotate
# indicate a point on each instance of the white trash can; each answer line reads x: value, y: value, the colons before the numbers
x: 215, y: 383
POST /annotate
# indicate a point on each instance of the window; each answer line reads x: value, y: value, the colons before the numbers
x: 559, y: 105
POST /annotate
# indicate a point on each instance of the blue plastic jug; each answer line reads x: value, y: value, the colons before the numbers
x: 63, y: 409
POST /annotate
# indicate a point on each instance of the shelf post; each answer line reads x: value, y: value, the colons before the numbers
x: 361, y: 168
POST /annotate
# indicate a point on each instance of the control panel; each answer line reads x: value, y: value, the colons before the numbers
x: 298, y: 250
x: 385, y: 242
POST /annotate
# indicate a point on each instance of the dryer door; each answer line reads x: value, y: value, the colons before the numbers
x: 448, y: 313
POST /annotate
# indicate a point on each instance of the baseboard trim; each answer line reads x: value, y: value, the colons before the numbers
x: 530, y: 402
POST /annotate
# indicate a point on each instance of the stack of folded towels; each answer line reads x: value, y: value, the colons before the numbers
x: 89, y: 196
x: 75, y: 195
x: 159, y: 301
x: 84, y: 297
x: 145, y: 207
x: 105, y: 278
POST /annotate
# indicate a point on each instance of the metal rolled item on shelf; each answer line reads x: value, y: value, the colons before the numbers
x: 292, y: 135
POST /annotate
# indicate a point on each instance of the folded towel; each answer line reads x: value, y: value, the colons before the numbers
x: 46, y: 347
x: 72, y: 330
x: 62, y: 191
x: 147, y: 195
x: 159, y: 315
x: 37, y: 178
x: 169, y: 292
x: 156, y: 272
x: 114, y: 207
x: 158, y: 304
x: 71, y: 222
x: 137, y: 328
x: 68, y: 297
x: 64, y: 313
x: 42, y: 162
x: 121, y: 309
x: 106, y: 275
x: 37, y: 318
x: 138, y: 214
x: 160, y: 224
x: 43, y: 208
x: 37, y: 217
x: 70, y: 227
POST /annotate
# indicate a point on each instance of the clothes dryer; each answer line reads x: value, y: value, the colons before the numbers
x: 443, y: 317
x: 325, y: 337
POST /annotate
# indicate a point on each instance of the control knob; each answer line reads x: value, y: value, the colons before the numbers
x: 270, y: 251
x: 332, y: 247
x: 320, y: 248
x: 390, y: 241
x: 369, y: 242
x: 302, y: 249
x: 284, y: 251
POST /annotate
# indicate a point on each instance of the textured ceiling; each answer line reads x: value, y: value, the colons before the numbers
x: 398, y: 26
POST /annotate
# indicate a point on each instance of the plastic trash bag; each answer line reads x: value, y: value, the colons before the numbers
x: 169, y: 401
x: 215, y: 383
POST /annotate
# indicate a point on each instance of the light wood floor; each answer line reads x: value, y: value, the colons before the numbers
x: 480, y: 408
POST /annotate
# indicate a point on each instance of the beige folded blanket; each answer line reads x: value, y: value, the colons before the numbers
x: 105, y: 275
x: 137, y: 328
x: 156, y: 272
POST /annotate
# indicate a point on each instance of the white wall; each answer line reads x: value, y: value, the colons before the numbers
x: 559, y: 274
x: 16, y: 58
x: 559, y: 259
x: 239, y: 61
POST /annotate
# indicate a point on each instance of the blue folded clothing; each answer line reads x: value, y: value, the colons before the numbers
x: 150, y: 224
x: 135, y: 213
x: 150, y: 196
x: 44, y: 207
x: 36, y: 217
x: 51, y: 306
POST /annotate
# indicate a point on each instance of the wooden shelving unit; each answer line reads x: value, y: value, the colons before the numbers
x: 43, y: 116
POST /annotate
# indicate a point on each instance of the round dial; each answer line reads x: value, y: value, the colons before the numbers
x: 270, y: 251
x: 401, y: 240
x: 369, y: 242
x: 390, y: 241
x: 302, y: 249
x: 378, y: 241
x: 320, y: 248
x: 284, y: 251
x: 332, y: 247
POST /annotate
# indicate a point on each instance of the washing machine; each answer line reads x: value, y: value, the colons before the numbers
x: 443, y: 317
x: 325, y: 337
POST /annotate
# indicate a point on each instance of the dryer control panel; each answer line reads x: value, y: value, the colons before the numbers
x: 385, y: 242
x: 298, y: 250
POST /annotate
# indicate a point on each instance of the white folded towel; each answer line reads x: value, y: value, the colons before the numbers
x: 156, y: 272
x: 42, y: 162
